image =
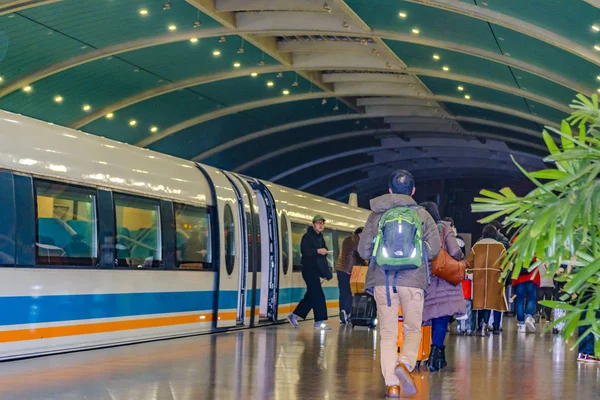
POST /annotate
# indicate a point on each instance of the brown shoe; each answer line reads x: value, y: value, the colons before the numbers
x: 406, y: 381
x: 393, y: 391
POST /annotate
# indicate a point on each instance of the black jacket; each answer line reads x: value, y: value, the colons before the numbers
x: 311, y: 242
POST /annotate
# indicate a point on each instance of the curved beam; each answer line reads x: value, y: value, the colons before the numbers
x: 377, y: 148
x: 515, y: 24
x: 367, y: 132
x: 207, y: 33
x: 169, y: 88
x: 12, y: 6
x: 323, y: 120
x: 352, y: 92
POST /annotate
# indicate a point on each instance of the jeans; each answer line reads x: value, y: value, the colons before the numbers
x: 586, y: 346
x: 314, y: 298
x: 483, y: 316
x: 345, y: 292
x: 411, y: 300
x: 439, y: 329
x: 526, y: 300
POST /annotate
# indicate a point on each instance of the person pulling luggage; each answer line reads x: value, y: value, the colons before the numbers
x: 399, y: 238
x: 314, y: 267
x: 347, y: 259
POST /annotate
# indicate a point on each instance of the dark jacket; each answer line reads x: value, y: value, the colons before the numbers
x: 311, y: 242
x: 416, y: 278
x: 502, y: 239
x: 349, y: 256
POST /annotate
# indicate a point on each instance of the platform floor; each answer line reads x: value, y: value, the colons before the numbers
x: 283, y: 363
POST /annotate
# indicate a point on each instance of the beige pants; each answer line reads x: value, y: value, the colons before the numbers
x: 411, y: 300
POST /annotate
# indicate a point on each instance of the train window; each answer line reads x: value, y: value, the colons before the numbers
x: 298, y: 230
x: 139, y: 239
x: 194, y: 237
x: 229, y: 234
x: 285, y: 244
x: 67, y: 232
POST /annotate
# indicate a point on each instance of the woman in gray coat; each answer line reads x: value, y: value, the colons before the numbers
x: 442, y: 299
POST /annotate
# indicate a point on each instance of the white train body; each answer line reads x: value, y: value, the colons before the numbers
x: 103, y: 243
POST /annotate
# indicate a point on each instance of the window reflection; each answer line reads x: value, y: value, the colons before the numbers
x: 194, y: 239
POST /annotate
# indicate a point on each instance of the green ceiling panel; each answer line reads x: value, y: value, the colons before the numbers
x: 474, y: 112
x: 299, y: 110
x: 104, y: 23
x: 98, y: 84
x: 433, y: 23
x: 541, y: 54
x: 544, y: 87
x: 417, y: 56
x: 446, y: 87
x: 544, y: 111
x: 26, y: 46
x: 182, y: 60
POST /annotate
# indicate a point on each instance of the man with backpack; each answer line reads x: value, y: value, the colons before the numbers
x: 399, y: 239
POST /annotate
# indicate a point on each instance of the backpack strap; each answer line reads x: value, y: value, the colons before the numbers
x: 387, y: 289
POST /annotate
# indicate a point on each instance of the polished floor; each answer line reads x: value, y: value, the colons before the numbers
x: 283, y: 363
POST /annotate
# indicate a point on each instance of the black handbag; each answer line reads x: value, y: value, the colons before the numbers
x: 323, y: 267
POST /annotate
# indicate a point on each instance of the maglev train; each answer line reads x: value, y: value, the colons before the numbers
x: 104, y: 243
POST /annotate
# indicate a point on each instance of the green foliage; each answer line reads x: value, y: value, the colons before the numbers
x: 558, y: 223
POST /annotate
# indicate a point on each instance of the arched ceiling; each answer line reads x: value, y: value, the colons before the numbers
x: 326, y: 96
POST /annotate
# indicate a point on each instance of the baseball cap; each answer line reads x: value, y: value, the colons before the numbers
x: 318, y: 218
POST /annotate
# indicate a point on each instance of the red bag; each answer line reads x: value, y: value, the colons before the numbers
x: 467, y: 286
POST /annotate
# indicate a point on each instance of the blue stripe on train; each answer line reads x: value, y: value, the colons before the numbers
x: 32, y: 310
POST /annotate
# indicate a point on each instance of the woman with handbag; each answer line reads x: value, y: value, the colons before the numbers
x: 485, y: 263
x: 444, y: 297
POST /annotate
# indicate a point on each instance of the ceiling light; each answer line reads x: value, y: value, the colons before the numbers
x: 254, y: 74
x: 295, y: 84
x: 436, y: 57
x: 261, y: 63
x: 598, y: 77
x: 326, y: 7
x: 388, y: 64
x: 27, y: 89
x: 237, y: 64
x: 285, y: 92
x: 133, y: 122
x: 1, y: 79
x: 167, y: 5
x: 154, y: 129
x: 194, y: 40
x: 216, y: 53
x: 324, y: 101
x: 222, y: 39
x: 172, y: 27
x: 345, y: 25
x: 336, y: 108
x: 87, y: 107
x: 416, y: 31
x: 143, y: 11
x: 58, y: 99
x: 460, y: 88
x: 197, y: 23
x: 596, y: 28
x: 402, y: 14
x: 467, y: 96
x: 597, y: 47
x: 375, y: 52
x: 270, y: 83
x: 110, y: 115
x: 598, y: 90
x: 241, y: 50
x: 446, y: 68
x: 280, y: 75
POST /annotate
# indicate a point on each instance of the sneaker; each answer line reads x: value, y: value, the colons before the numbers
x: 588, y: 358
x: 406, y: 381
x: 293, y: 319
x: 496, y: 331
x: 393, y: 392
x: 343, y: 317
x: 322, y: 325
x: 521, y: 328
x: 530, y: 324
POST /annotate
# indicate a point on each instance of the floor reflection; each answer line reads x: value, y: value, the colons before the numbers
x: 285, y: 364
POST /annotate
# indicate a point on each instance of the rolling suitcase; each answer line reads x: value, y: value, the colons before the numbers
x: 364, y: 310
x: 424, y: 349
x: 557, y: 314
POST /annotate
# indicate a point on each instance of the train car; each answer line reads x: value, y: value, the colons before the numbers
x: 104, y: 243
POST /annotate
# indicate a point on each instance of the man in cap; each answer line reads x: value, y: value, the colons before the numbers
x: 314, y: 266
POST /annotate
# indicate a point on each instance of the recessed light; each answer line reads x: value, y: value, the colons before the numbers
x: 1, y: 79
x: 87, y: 107
x: 254, y: 74
x: 216, y: 53
x: 436, y: 57
x: 58, y: 99
x: 598, y: 77
x: 27, y: 89
x: 286, y: 92
x: 154, y: 129
x: 468, y: 97
x: 598, y: 90
x: 270, y: 83
x: 460, y: 88
x: 597, y: 47
x: 237, y: 64
x: 596, y: 28
x: 402, y: 14
x: 172, y: 27
x: 133, y: 122
x: 446, y: 68
x: 110, y: 115
x: 416, y: 31
x: 194, y: 40
x: 143, y: 11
